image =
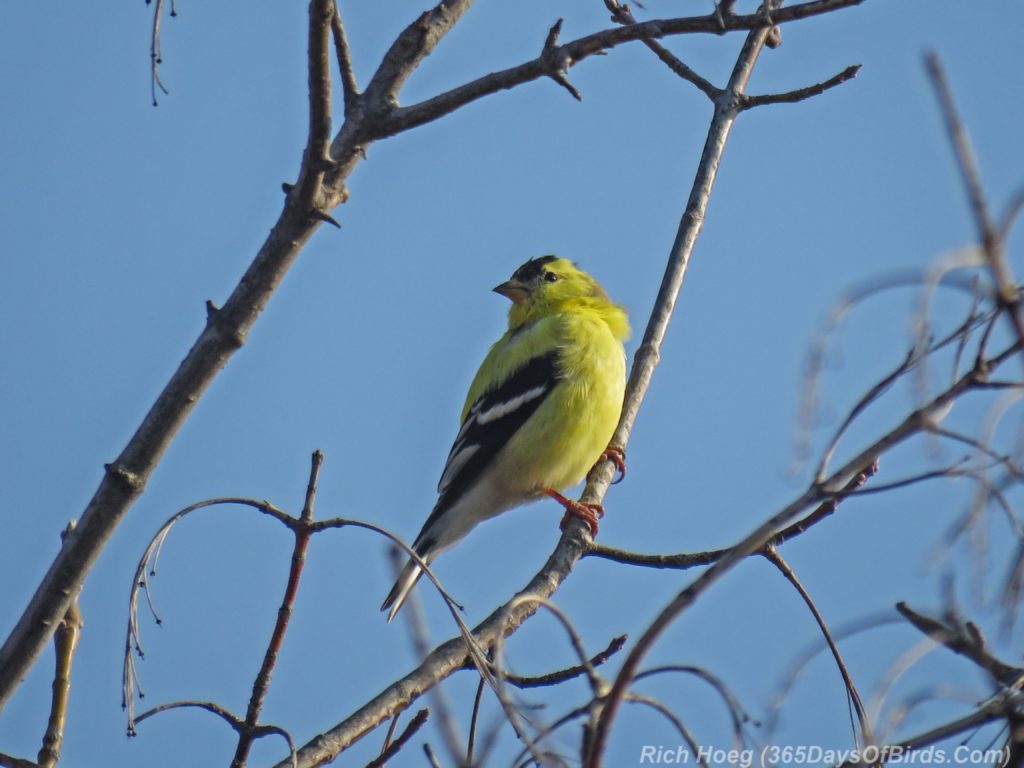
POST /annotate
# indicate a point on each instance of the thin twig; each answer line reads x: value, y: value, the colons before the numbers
x: 416, y: 623
x: 342, y: 52
x: 816, y: 357
x: 988, y: 233
x: 622, y: 14
x: 569, y: 673
x: 1013, y: 210
x: 227, y: 716
x: 679, y: 725
x: 392, y: 749
x: 996, y: 708
x: 801, y: 662
x: 800, y: 94
x: 9, y: 761
x: 685, y: 560
x: 145, y: 568
x: 557, y: 61
x: 965, y: 640
x: 576, y: 641
x: 473, y: 720
x: 237, y: 724
x: 316, y: 198
x: 431, y: 757
x: 65, y: 643
x: 155, y: 57
x: 772, y: 555
x: 737, y: 713
x: 261, y: 685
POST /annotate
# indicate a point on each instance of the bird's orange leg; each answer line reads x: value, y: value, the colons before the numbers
x: 616, y: 454
x: 588, y: 512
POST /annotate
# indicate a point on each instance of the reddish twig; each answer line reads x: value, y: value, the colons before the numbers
x: 261, y: 685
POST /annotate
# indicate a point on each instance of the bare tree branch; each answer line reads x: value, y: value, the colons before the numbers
x: 403, y: 118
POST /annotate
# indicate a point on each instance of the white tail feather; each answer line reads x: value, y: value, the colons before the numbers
x: 407, y: 579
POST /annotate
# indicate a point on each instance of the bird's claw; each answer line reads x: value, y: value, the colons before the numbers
x: 587, y: 511
x: 616, y: 454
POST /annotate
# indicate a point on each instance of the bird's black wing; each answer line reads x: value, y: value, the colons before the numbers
x: 490, y: 423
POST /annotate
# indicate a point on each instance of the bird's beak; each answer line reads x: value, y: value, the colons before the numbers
x: 514, y: 290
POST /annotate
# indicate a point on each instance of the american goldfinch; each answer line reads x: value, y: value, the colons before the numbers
x: 539, y: 413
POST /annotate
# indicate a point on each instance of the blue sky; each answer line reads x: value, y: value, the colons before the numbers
x: 120, y: 220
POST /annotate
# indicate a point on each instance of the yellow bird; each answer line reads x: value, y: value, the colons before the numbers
x: 539, y: 413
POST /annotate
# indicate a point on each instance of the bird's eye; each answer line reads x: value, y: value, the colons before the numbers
x: 550, y: 277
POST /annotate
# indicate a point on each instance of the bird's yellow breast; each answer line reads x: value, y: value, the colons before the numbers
x: 575, y: 423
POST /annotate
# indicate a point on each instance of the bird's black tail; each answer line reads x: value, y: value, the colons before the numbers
x: 407, y: 579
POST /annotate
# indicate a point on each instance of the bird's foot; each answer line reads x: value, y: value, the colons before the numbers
x: 586, y: 511
x: 616, y: 454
